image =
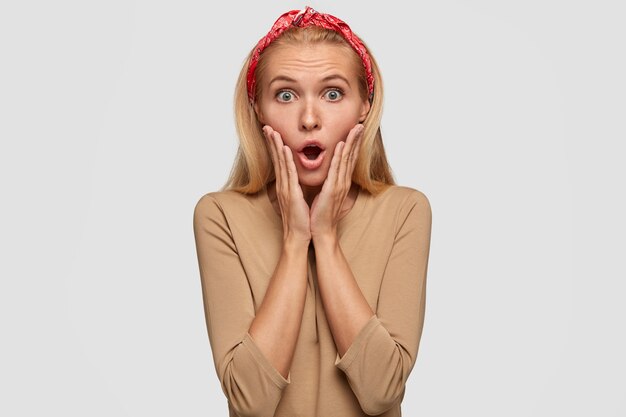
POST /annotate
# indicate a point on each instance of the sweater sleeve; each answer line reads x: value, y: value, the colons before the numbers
x: 381, y: 357
x: 250, y: 382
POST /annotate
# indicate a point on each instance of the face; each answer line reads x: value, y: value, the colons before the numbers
x: 310, y: 95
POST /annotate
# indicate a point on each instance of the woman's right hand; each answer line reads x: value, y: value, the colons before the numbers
x: 294, y: 209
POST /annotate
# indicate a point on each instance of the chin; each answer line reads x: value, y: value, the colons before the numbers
x: 312, y: 179
x: 309, y: 182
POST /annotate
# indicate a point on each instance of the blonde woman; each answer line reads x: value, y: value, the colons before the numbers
x: 313, y: 262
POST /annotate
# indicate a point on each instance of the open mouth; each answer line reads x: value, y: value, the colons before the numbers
x: 312, y: 152
x: 312, y: 155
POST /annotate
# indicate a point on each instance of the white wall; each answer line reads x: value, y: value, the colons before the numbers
x: 116, y: 116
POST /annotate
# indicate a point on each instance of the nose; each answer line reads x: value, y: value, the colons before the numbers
x: 310, y: 117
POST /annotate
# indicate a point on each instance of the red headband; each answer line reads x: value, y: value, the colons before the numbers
x: 303, y: 18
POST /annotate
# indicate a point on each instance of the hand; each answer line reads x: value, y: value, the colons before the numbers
x: 293, y: 208
x: 326, y: 209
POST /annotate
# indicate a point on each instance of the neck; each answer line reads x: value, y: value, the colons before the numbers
x: 310, y: 193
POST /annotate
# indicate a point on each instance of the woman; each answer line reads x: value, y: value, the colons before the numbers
x: 312, y: 261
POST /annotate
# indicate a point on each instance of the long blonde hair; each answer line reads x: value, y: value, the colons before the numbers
x: 253, y: 168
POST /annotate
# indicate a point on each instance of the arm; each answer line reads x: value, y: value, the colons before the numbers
x: 347, y: 310
x: 252, y: 352
x: 277, y: 323
x: 378, y: 351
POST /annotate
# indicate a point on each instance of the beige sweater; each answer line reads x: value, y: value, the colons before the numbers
x: 386, y: 240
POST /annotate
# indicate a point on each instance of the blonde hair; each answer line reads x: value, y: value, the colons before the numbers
x: 253, y: 168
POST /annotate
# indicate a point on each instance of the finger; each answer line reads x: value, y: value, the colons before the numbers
x: 281, y: 180
x: 292, y: 172
x: 357, y: 139
x: 268, y: 133
x: 345, y: 156
x: 284, y: 182
x: 354, y: 146
x: 334, y: 165
x: 355, y: 154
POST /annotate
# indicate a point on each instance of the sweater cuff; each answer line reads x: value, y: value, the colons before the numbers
x: 359, y: 341
x: 269, y: 369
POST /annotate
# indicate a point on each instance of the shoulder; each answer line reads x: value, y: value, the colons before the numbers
x: 403, y: 207
x: 216, y: 203
x: 403, y: 197
x: 220, y: 198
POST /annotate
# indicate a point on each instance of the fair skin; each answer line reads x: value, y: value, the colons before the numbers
x: 310, y: 94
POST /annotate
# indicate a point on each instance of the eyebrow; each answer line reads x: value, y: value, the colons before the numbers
x: 336, y: 76
x: 325, y: 79
x: 282, y: 78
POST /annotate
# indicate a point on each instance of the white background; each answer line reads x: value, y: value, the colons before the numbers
x: 116, y: 117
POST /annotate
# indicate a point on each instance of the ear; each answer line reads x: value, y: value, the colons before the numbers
x: 257, y: 110
x: 365, y: 109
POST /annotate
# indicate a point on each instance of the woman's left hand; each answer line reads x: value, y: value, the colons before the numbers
x: 326, y: 209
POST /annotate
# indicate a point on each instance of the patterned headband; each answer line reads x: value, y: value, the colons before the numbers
x: 303, y: 18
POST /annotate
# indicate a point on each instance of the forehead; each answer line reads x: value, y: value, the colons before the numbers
x: 319, y: 59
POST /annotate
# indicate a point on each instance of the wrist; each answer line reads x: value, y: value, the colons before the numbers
x: 325, y: 240
x: 296, y: 242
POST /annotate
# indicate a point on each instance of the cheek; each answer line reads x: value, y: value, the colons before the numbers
x: 342, y: 124
x: 342, y: 116
x: 276, y: 117
x: 282, y: 122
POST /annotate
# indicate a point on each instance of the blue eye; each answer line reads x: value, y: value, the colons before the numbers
x: 284, y: 95
x: 334, y: 94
